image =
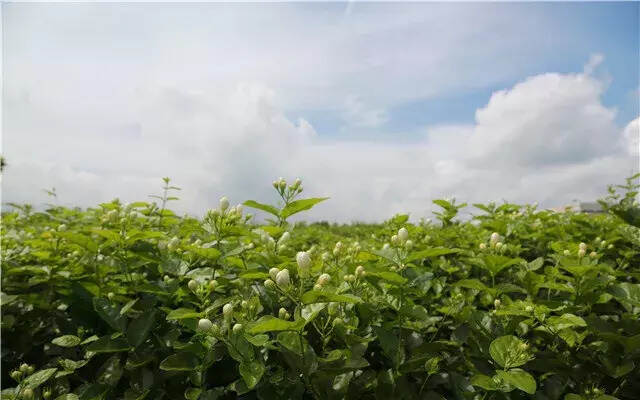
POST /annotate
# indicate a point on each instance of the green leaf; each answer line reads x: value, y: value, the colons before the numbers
x: 140, y: 327
x: 183, y: 313
x: 128, y: 306
x: 565, y: 321
x: 180, y: 362
x: 390, y: 344
x: 496, y: 263
x: 251, y: 372
x: 258, y: 340
x: 109, y: 313
x: 107, y: 234
x: 627, y: 292
x: 269, y: 323
x: 38, y: 378
x: 519, y: 378
x: 509, y: 351
x: 388, y: 276
x: 318, y: 296
x: 192, y: 393
x: 471, y: 284
x: 429, y: 253
x: 485, y: 382
x: 67, y: 341
x: 68, y: 396
x: 300, y: 205
x: 110, y: 372
x: 264, y: 207
x: 254, y: 275
x: 108, y: 345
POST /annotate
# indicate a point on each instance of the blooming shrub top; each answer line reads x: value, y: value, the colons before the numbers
x: 134, y: 302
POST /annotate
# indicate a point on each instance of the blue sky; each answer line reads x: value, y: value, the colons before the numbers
x: 568, y: 34
x: 382, y: 106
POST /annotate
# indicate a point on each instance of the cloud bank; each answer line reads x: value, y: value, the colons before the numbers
x: 112, y: 122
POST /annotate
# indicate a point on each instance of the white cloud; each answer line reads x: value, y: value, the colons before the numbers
x: 103, y: 104
x: 594, y: 61
x: 631, y: 138
x: 357, y: 114
x: 237, y: 142
x: 546, y: 119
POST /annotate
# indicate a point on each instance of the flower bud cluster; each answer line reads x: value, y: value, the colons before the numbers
x: 279, y: 278
x: 337, y: 249
x: 288, y: 191
x: 304, y: 262
x: 582, y: 249
x: 322, y: 281
x: 22, y: 372
x: 283, y: 313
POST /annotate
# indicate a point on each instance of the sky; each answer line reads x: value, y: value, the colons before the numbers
x: 381, y: 106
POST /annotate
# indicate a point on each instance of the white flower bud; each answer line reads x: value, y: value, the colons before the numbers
x: 394, y: 239
x: 496, y: 303
x: 192, y: 285
x: 27, y: 394
x: 582, y: 246
x: 566, y: 253
x: 593, y: 254
x: 304, y: 262
x: 239, y: 209
x: 213, y: 284
x: 317, y: 287
x: 403, y: 234
x: 282, y: 313
x: 297, y: 182
x: 282, y: 278
x: 237, y: 328
x: 581, y: 253
x: 269, y: 284
x: 273, y: 272
x: 610, y: 247
x: 224, y: 203
x: 227, y: 310
x: 408, y: 244
x: 498, y: 245
x: 204, y: 325
x: 173, y: 243
x: 285, y: 236
x: 111, y: 295
x: 62, y: 228
x: 482, y: 246
x: 323, y: 279
x: 495, y: 237
x: 360, y: 271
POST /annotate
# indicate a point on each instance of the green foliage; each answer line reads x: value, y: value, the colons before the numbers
x: 134, y: 302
